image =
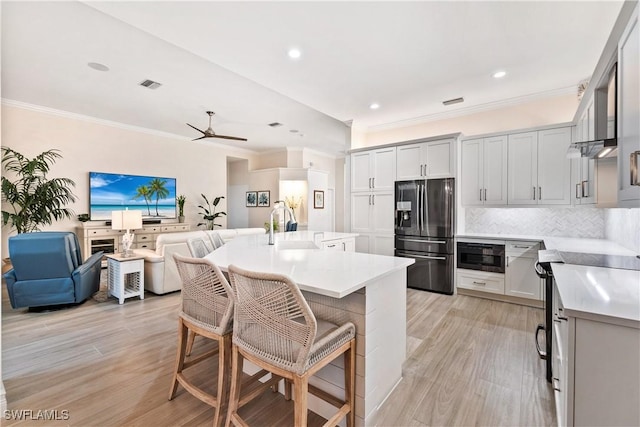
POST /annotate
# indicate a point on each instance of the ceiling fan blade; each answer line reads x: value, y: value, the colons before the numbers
x: 201, y: 131
x: 235, y: 138
x: 202, y: 137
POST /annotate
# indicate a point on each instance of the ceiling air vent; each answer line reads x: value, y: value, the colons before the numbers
x: 150, y: 84
x: 453, y: 101
x: 275, y: 124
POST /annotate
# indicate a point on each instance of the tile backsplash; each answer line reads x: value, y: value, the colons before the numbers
x: 623, y: 227
x: 560, y: 222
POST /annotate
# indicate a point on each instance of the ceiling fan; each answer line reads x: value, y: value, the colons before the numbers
x: 209, y: 133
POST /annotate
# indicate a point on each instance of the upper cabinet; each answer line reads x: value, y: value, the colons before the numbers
x: 629, y: 115
x: 432, y: 159
x: 484, y: 171
x: 373, y: 170
x: 538, y: 169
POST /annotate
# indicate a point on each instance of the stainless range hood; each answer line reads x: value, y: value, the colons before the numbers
x: 598, y: 149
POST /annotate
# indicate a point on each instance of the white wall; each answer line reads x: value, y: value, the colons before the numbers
x: 534, y: 113
x: 87, y: 145
x: 237, y: 187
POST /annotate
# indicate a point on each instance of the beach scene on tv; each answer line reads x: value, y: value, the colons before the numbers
x: 155, y: 197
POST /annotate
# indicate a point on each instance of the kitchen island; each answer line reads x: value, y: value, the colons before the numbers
x: 368, y: 290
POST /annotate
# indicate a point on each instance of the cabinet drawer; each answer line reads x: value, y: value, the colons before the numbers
x: 171, y: 228
x: 480, y: 282
x: 144, y: 245
x: 522, y: 248
x: 145, y: 238
x: 333, y: 245
x: 102, y: 232
x: 152, y: 229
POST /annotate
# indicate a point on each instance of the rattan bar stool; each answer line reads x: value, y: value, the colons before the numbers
x: 206, y: 310
x: 199, y: 247
x: 275, y: 329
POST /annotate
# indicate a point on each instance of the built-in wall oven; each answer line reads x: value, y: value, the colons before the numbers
x: 481, y: 256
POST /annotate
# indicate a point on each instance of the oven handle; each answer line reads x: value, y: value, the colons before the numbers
x: 440, y: 242
x: 408, y: 255
x: 541, y: 353
x: 540, y: 271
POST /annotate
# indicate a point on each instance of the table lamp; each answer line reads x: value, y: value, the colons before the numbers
x: 126, y: 220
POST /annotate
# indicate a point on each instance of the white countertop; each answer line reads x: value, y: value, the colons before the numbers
x: 326, y: 272
x: 604, y: 294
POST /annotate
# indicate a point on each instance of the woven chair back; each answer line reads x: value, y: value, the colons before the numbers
x: 206, y: 294
x: 198, y: 247
x: 216, y: 239
x: 272, y: 320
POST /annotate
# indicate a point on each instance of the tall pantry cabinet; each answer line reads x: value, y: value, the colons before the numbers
x: 373, y: 175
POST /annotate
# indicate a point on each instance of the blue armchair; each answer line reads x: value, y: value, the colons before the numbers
x: 48, y: 270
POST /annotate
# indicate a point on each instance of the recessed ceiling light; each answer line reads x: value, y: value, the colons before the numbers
x: 499, y: 74
x: 294, y: 53
x: 98, y: 66
x: 374, y: 106
x: 453, y: 101
x: 293, y: 130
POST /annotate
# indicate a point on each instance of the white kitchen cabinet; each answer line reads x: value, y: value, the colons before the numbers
x: 372, y: 215
x: 595, y: 370
x: 629, y: 115
x: 538, y: 169
x: 520, y: 277
x: 484, y: 171
x: 341, y: 245
x: 379, y: 244
x: 431, y: 159
x: 373, y: 170
x: 482, y: 281
x: 583, y: 169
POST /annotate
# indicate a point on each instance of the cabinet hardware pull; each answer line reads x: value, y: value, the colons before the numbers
x: 633, y: 167
x: 332, y: 246
x: 481, y: 194
x: 563, y: 318
x: 421, y: 170
x: 425, y: 170
x: 479, y: 283
x: 521, y: 246
x: 507, y: 261
x: 534, y: 193
x: 577, y: 194
x: 373, y: 182
x: 440, y: 242
x: 369, y: 199
x: 485, y: 194
x: 344, y: 246
x: 556, y: 388
x: 369, y: 182
x: 585, y: 193
x: 539, y: 193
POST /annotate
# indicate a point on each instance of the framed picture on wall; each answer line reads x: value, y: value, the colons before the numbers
x: 318, y: 199
x: 252, y: 199
x: 264, y: 198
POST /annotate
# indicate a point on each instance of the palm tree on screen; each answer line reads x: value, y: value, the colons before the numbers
x: 145, y: 192
x: 157, y: 188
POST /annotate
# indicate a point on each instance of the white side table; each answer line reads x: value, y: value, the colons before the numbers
x: 126, y: 276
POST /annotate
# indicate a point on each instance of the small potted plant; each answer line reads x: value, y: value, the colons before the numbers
x: 181, y: 199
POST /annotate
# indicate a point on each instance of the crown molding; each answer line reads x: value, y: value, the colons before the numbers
x: 510, y: 102
x: 118, y: 125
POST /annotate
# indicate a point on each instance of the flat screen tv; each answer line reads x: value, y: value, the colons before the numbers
x: 154, y: 196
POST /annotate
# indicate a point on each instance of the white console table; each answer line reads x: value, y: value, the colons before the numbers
x: 96, y: 236
x: 126, y: 276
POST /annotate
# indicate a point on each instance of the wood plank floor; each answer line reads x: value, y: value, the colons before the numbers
x: 470, y: 362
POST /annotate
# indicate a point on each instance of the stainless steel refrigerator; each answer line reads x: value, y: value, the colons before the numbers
x: 424, y: 231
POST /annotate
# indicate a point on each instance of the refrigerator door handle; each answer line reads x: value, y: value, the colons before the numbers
x: 425, y: 207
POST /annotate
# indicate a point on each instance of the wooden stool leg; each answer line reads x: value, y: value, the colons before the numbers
x: 300, y: 391
x: 350, y: 382
x: 287, y: 389
x: 182, y: 343
x: 224, y: 362
x: 192, y: 338
x: 236, y: 376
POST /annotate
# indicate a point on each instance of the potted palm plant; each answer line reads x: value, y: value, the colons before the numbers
x: 34, y: 198
x: 181, y: 199
x: 209, y: 213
